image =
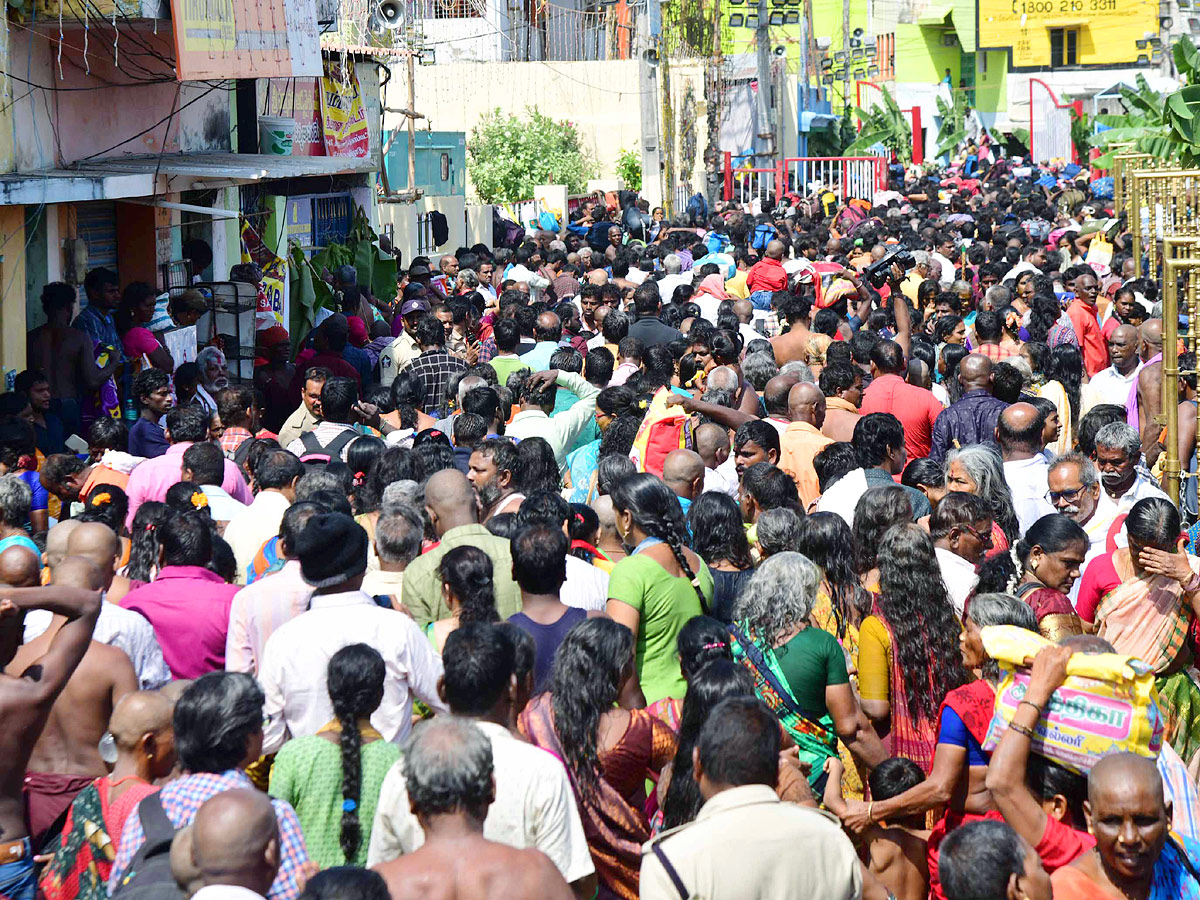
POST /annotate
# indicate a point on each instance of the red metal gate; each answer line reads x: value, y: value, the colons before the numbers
x: 846, y: 176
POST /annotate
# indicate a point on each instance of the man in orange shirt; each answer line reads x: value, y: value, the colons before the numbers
x: 802, y: 439
x: 1082, y: 313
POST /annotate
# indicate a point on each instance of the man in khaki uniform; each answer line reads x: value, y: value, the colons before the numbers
x: 747, y: 844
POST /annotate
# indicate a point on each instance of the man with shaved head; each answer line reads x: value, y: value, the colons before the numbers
x: 683, y: 472
x: 454, y: 510
x: 56, y: 544
x: 1019, y: 434
x: 99, y: 543
x: 144, y: 746
x: 66, y: 758
x: 767, y: 275
x: 547, y: 334
x: 333, y: 559
x: 1113, y: 384
x: 713, y: 446
x: 235, y: 842
x: 972, y: 419
x: 802, y: 439
x: 27, y: 696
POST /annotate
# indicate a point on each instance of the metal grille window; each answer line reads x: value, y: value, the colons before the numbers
x: 425, y: 242
x: 331, y: 217
x: 1064, y: 47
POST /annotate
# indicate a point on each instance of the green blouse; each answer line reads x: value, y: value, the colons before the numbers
x: 308, y: 775
x: 665, y: 603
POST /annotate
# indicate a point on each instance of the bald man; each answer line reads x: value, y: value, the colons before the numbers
x: 97, y: 542
x: 972, y: 419
x: 767, y: 275
x: 547, y: 333
x: 1019, y: 434
x: 1145, y: 401
x: 235, y: 842
x: 145, y: 752
x: 1113, y: 384
x: 802, y: 439
x: 27, y: 695
x: 66, y: 757
x: 454, y: 510
x: 683, y: 472
x: 118, y: 627
x: 714, y: 447
x: 56, y: 546
x: 775, y: 399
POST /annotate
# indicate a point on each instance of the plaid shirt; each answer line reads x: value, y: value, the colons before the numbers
x: 487, y: 350
x: 435, y: 368
x: 184, y: 796
x: 232, y: 438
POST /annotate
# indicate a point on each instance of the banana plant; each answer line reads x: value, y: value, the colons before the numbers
x: 953, y: 130
x: 885, y: 124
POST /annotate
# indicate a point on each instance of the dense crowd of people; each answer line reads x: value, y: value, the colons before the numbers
x: 651, y: 557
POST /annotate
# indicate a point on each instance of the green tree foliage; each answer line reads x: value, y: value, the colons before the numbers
x: 509, y: 156
x: 1166, y: 127
x: 884, y: 124
x: 629, y: 168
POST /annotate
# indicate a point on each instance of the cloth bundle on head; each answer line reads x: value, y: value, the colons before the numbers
x: 332, y: 549
x: 714, y: 286
x: 272, y: 337
x: 838, y: 289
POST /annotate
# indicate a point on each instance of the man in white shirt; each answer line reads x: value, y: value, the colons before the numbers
x: 204, y: 466
x: 275, y: 475
x: 538, y: 419
x: 961, y: 528
x: 333, y: 559
x: 1074, y: 491
x: 1112, y: 385
x: 1118, y: 452
x: 1019, y: 434
x: 672, y: 265
x: 534, y: 805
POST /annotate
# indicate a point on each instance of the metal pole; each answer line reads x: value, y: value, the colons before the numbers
x: 846, y: 50
x: 762, y: 39
x: 412, y: 124
x: 649, y: 24
x: 1170, y: 389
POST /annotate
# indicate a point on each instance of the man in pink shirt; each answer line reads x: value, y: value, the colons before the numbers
x: 186, y: 425
x: 916, y: 408
x: 186, y: 603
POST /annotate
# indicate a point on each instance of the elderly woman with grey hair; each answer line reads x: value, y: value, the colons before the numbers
x: 957, y: 779
x: 759, y: 368
x: 800, y: 670
x: 778, y: 531
x: 979, y: 470
x: 15, y: 501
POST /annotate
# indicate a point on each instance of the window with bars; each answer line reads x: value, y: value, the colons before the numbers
x: 1064, y: 47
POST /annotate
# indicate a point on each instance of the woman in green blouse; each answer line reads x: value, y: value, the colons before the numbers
x: 332, y: 778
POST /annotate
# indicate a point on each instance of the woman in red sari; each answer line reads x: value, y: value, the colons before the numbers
x: 908, y: 659
x: 1041, y: 569
x: 957, y: 778
x: 609, y: 752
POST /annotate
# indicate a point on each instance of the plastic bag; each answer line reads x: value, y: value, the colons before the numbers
x: 1108, y: 703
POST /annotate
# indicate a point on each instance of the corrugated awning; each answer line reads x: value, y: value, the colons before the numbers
x: 236, y: 166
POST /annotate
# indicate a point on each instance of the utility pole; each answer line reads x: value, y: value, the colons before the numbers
x: 762, y: 39
x: 412, y: 192
x: 846, y: 51
x: 649, y: 27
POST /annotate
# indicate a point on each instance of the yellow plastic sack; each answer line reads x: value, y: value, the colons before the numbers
x: 1106, y: 705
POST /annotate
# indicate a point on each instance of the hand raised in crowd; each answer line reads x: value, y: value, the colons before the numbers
x: 1173, y: 565
x: 1048, y: 671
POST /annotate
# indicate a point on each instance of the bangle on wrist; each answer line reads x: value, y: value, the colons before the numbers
x: 1021, y: 729
x: 1192, y: 584
x: 1041, y: 710
x: 870, y: 812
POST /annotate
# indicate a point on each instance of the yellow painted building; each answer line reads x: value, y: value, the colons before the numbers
x: 1059, y: 33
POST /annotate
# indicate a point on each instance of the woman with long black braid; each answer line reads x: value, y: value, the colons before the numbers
x: 660, y: 585
x: 332, y: 778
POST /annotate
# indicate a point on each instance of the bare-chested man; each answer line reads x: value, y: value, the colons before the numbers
x: 145, y: 752
x: 98, y: 543
x: 26, y: 699
x: 1149, y: 384
x: 450, y: 786
x: 66, y: 757
x: 57, y: 539
x: 65, y: 354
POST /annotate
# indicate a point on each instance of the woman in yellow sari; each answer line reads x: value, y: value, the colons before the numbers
x: 1141, y: 599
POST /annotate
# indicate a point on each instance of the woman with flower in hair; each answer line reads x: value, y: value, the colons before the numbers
x: 1040, y: 569
x: 18, y: 456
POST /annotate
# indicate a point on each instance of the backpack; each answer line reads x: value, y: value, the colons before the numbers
x: 505, y: 232
x: 440, y: 228
x: 664, y: 429
x: 763, y: 234
x: 697, y: 208
x: 314, y: 452
x: 149, y: 876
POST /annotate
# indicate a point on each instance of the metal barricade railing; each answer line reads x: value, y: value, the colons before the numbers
x: 847, y: 176
x: 1181, y: 266
x: 1163, y: 204
x: 1124, y: 164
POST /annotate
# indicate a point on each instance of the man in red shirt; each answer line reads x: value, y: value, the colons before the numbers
x: 767, y: 276
x: 916, y: 408
x: 1082, y: 313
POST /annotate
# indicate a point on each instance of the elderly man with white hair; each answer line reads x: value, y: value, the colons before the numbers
x: 673, y: 266
x: 1117, y: 455
x: 214, y: 375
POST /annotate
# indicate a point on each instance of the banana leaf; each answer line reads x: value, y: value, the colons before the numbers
x: 307, y: 293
